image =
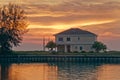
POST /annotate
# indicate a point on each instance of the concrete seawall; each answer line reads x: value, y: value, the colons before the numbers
x: 58, y: 58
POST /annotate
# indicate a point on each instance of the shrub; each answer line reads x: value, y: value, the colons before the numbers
x: 83, y: 51
x: 91, y: 51
x: 75, y: 51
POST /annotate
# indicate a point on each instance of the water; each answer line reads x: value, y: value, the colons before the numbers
x: 59, y: 71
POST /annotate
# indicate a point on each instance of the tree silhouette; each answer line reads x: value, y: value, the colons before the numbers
x: 51, y: 45
x: 13, y: 24
x: 104, y: 47
x: 98, y: 46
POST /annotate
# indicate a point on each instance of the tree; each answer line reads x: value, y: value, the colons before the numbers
x: 51, y: 45
x: 13, y: 24
x: 104, y: 48
x: 98, y: 46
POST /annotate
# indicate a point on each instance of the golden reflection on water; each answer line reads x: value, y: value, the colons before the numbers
x: 109, y: 72
x: 44, y: 71
x: 32, y: 72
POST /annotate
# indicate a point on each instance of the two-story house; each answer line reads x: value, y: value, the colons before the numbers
x: 75, y: 39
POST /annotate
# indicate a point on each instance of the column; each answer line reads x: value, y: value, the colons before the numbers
x: 65, y: 48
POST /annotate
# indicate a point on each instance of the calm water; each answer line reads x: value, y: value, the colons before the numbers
x: 59, y: 71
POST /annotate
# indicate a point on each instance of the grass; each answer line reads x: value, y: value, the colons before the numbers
x: 110, y: 53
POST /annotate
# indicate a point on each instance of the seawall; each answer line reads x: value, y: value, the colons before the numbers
x: 58, y: 58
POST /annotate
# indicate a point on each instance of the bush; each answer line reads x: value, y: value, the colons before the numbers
x: 83, y: 51
x: 91, y: 51
x: 75, y: 51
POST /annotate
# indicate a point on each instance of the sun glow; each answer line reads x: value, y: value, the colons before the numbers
x: 97, y: 22
x: 66, y: 26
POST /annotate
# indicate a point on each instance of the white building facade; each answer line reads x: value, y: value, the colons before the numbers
x: 75, y: 40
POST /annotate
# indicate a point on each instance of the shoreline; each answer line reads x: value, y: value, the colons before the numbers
x: 59, y: 58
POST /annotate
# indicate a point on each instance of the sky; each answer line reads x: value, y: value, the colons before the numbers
x: 48, y: 17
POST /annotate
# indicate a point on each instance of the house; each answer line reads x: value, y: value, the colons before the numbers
x: 75, y: 40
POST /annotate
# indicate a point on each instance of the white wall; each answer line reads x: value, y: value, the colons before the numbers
x: 85, y: 41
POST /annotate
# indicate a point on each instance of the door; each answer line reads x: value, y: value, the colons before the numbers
x: 68, y: 48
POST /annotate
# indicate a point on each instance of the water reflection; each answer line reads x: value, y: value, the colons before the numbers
x: 4, y: 71
x: 59, y: 71
x: 109, y: 72
x: 33, y: 72
x: 41, y: 71
x: 77, y: 71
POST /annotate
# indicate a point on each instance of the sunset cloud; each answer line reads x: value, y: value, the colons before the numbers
x: 72, y: 13
x: 47, y: 17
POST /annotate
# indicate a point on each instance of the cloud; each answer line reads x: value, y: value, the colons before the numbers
x: 113, y: 27
x: 72, y: 12
x: 43, y: 12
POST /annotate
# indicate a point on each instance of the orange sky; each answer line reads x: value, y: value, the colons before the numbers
x: 47, y: 17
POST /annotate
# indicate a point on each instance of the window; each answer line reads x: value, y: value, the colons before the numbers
x: 60, y: 39
x: 81, y: 47
x: 68, y: 39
